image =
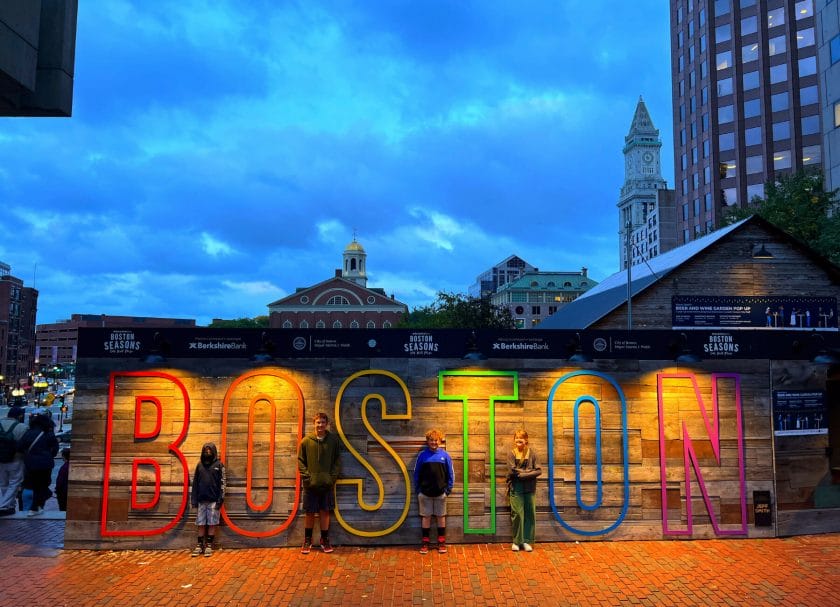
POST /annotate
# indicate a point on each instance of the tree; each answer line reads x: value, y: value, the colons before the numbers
x: 458, y: 311
x: 798, y: 204
x: 258, y: 322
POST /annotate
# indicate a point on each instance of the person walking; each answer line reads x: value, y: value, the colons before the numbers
x: 12, y: 429
x: 319, y: 465
x: 39, y: 447
x: 523, y: 470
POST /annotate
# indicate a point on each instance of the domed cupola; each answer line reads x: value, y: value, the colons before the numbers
x: 353, y: 267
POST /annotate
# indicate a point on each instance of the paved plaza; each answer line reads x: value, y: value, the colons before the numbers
x: 791, y: 571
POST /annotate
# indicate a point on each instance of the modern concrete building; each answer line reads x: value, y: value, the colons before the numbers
x: 828, y: 63
x: 57, y: 342
x: 746, y: 102
x: 341, y: 302
x: 646, y: 213
x: 538, y: 295
x: 509, y: 269
x: 37, y: 57
x: 18, y: 305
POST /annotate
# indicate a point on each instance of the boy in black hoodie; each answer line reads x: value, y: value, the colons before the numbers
x: 208, y: 494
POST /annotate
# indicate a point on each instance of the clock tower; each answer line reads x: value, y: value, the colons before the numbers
x: 642, y: 182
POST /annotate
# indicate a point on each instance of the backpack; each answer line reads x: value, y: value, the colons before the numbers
x: 8, y: 444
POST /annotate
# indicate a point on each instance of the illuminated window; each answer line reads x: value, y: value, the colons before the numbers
x: 776, y: 17
x: 811, y: 155
x: 724, y: 60
x: 837, y: 113
x: 805, y: 37
x: 731, y: 168
x: 781, y: 160
x: 804, y: 9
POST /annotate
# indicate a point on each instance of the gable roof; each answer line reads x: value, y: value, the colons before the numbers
x: 611, y: 292
x: 338, y: 282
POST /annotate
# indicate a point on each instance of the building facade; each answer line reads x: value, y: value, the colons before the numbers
x: 746, y: 102
x: 537, y: 295
x: 828, y: 62
x: 504, y: 272
x: 341, y: 302
x: 18, y: 306
x: 56, y: 343
x: 646, y: 207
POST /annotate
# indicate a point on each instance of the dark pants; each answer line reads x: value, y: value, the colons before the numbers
x: 39, y: 482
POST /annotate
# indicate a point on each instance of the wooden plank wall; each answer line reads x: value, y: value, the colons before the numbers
x: 392, y: 455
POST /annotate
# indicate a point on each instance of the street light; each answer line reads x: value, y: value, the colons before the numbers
x: 40, y: 385
x: 18, y: 393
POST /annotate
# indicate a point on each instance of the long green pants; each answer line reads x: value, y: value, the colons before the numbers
x: 523, y: 515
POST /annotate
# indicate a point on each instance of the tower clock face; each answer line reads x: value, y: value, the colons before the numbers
x: 647, y: 157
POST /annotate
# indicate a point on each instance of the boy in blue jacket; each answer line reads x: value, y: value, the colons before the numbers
x: 434, y: 478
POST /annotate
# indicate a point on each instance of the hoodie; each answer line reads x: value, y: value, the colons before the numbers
x: 209, y: 478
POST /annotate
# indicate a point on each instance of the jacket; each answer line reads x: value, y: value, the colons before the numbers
x: 209, y: 480
x: 523, y: 473
x: 433, y: 473
x: 319, y: 461
x: 39, y: 453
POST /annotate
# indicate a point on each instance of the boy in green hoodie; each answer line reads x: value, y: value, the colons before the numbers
x: 319, y: 466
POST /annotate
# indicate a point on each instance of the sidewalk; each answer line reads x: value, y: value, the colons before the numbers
x: 792, y: 571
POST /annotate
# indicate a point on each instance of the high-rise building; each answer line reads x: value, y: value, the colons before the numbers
x: 491, y: 280
x: 746, y: 102
x: 18, y: 306
x: 828, y: 62
x: 645, y: 206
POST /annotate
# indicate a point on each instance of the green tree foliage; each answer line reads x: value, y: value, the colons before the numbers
x: 799, y: 204
x: 258, y: 322
x: 458, y: 311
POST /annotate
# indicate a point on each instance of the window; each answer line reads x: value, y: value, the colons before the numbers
x: 777, y: 45
x: 749, y: 25
x: 724, y: 87
x: 752, y: 108
x: 535, y: 311
x: 386, y: 324
x: 837, y: 113
x: 704, y: 69
x: 707, y: 201
x: 692, y: 105
x: 685, y: 186
x: 704, y: 95
x: 749, y: 53
x: 681, y: 88
x: 701, y: 17
x: 778, y: 73
x: 725, y: 114
x: 707, y: 174
x: 750, y: 80
x: 724, y: 60
x: 682, y: 113
x: 685, y: 212
x: 722, y: 7
x: 680, y: 64
x: 811, y: 155
x: 781, y: 160
x: 679, y: 39
x: 370, y: 324
x: 810, y: 125
x: 338, y: 300
x: 695, y: 180
x: 691, y: 54
x: 781, y: 131
x: 779, y: 102
x: 746, y: 3
x: 686, y: 236
x: 723, y: 33
x: 752, y: 136
x: 804, y: 9
x: 730, y: 196
x: 834, y: 47
x: 304, y: 324
x: 287, y: 324
x: 692, y: 80
x: 696, y: 207
x: 704, y: 122
x: 336, y: 324
x: 726, y: 141
x: 354, y: 324
x: 730, y: 167
x: 694, y: 155
x: 754, y: 164
x: 320, y: 324
x: 805, y: 37
x: 706, y: 148
x: 755, y: 190
x: 684, y: 162
x: 808, y: 95
x: 682, y: 136
x: 703, y: 43
x: 775, y: 17
x: 807, y: 66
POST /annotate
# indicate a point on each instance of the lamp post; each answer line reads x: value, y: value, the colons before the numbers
x: 18, y: 393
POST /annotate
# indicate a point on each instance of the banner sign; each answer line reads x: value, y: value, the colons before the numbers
x: 799, y: 412
x: 754, y: 312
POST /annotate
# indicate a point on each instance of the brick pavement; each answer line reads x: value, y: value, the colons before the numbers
x: 792, y: 571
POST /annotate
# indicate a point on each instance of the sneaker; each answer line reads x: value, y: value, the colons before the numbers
x: 307, y: 546
x: 424, y: 548
x: 208, y: 551
x: 198, y: 550
x: 514, y: 547
x: 441, y: 546
x: 35, y: 512
x: 326, y: 546
x: 527, y: 547
x: 7, y: 511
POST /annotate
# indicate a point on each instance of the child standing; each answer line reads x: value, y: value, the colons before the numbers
x: 208, y: 494
x: 434, y: 478
x: 319, y: 464
x: 523, y: 470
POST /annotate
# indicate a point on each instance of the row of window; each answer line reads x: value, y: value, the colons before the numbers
x: 287, y: 324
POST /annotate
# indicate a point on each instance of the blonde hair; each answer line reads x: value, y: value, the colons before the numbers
x: 521, y: 433
x: 435, y: 434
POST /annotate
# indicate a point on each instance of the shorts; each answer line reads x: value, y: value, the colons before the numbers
x: 207, y: 514
x: 316, y: 501
x: 432, y: 505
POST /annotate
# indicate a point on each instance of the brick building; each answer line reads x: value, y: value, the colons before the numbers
x: 18, y: 305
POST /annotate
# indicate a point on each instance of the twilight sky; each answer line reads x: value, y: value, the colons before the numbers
x: 222, y: 153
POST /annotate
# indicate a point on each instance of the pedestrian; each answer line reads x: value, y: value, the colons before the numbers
x: 39, y: 446
x: 208, y: 495
x: 434, y: 478
x: 12, y: 429
x: 523, y: 470
x: 319, y: 465
x: 62, y: 480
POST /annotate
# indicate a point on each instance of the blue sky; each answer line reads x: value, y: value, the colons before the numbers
x: 221, y: 154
